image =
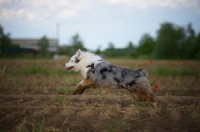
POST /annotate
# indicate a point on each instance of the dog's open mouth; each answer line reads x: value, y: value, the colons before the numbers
x: 70, y: 68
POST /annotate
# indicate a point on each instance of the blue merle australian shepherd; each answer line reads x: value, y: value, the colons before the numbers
x: 100, y: 73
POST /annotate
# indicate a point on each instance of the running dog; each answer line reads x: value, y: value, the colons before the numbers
x: 99, y: 73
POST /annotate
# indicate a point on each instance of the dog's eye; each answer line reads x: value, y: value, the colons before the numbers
x: 77, y: 60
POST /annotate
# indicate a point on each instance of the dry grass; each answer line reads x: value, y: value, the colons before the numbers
x: 35, y: 95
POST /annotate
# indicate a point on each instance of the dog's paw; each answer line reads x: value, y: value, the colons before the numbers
x: 75, y: 92
x: 79, y: 91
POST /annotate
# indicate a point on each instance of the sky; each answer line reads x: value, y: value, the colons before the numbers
x: 98, y: 22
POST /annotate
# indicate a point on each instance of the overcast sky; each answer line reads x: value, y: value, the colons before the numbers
x: 98, y: 22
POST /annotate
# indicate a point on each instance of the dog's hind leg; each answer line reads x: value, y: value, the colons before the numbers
x: 86, y: 83
x: 143, y: 95
x: 141, y: 91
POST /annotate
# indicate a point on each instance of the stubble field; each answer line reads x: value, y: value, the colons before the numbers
x: 36, y: 96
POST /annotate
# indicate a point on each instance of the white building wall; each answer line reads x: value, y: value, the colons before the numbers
x: 33, y: 44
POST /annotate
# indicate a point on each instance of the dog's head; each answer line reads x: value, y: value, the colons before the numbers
x: 81, y: 60
x: 74, y: 60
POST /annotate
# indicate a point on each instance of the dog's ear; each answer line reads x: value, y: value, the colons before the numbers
x: 78, y: 53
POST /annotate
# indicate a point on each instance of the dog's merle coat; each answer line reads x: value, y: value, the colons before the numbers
x: 107, y: 75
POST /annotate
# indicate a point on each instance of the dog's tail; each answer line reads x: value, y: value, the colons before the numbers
x: 144, y: 72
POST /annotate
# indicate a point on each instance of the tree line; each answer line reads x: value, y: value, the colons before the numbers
x: 171, y: 42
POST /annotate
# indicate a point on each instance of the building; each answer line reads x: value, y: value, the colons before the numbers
x: 33, y: 43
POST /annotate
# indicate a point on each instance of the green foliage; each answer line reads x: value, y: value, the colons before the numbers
x: 168, y: 41
x: 74, y: 81
x: 110, y: 51
x: 176, y: 42
x: 172, y: 42
x: 43, y: 45
x: 128, y: 51
x: 5, y: 41
x: 39, y: 126
x: 146, y: 45
x: 75, y: 44
x: 115, y: 125
x: 60, y: 99
x: 38, y: 69
x: 98, y: 51
x: 143, y: 104
x: 196, y: 51
x: 160, y: 71
x: 35, y: 70
x: 64, y: 91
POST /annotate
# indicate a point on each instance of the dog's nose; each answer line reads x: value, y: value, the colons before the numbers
x: 64, y: 65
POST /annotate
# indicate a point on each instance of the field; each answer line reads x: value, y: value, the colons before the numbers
x: 35, y: 96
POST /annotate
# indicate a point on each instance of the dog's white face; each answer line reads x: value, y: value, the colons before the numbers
x: 73, y: 63
x: 80, y: 61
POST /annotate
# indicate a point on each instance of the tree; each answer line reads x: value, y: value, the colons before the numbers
x: 110, y: 51
x: 5, y: 40
x: 169, y: 40
x: 130, y: 45
x: 146, y: 45
x: 43, y: 45
x: 98, y: 51
x: 75, y: 44
x: 189, y: 47
x: 197, y: 47
x: 130, y: 50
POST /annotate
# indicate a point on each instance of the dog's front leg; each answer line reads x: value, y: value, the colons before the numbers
x: 79, y: 88
x: 86, y: 83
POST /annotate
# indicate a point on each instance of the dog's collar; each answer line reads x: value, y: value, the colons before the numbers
x: 92, y: 65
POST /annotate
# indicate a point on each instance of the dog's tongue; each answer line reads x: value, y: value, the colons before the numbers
x: 69, y: 68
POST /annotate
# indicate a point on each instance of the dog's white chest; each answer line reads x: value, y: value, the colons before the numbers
x: 83, y: 72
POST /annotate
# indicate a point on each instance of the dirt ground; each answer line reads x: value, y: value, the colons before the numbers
x: 36, y: 96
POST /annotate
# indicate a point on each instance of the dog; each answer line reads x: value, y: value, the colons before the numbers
x: 99, y: 73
